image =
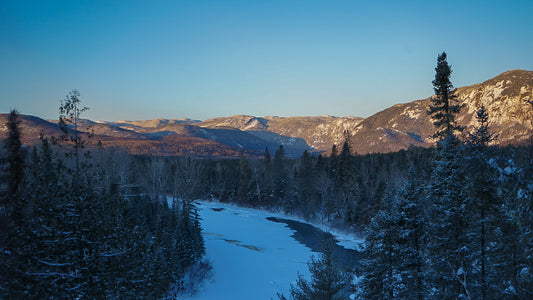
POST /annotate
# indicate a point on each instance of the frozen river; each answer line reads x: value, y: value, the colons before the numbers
x: 252, y: 257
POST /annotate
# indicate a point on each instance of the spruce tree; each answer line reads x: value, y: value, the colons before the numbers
x: 245, y: 176
x: 343, y: 180
x: 444, y: 107
x: 15, y: 215
x: 327, y: 280
x: 266, y: 179
x: 345, y: 168
x: 16, y: 154
x: 306, y: 186
x: 484, y: 201
x: 279, y: 175
x: 382, y: 278
x: 448, y: 245
x: 525, y: 217
x: 411, y: 245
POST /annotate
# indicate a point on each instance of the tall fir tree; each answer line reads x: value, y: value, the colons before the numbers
x: 306, y: 192
x: 381, y: 253
x: 16, y: 154
x: 412, y: 267
x: 484, y: 202
x: 15, y: 215
x: 444, y: 106
x: 245, y: 177
x: 448, y: 245
x: 266, y: 180
x: 279, y: 176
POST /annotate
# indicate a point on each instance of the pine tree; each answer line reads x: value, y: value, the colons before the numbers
x: 279, y: 175
x: 266, y: 180
x: 381, y: 253
x: 327, y: 280
x: 16, y: 154
x: 306, y: 186
x: 245, y: 176
x: 510, y: 277
x: 345, y: 168
x: 410, y: 238
x: 443, y: 108
x: 448, y: 246
x: 343, y: 180
x: 524, y: 218
x: 15, y: 215
x: 484, y: 201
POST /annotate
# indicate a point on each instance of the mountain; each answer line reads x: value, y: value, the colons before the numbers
x: 403, y: 125
x: 238, y: 131
x: 398, y: 127
x: 296, y: 134
x: 113, y: 136
x: 31, y: 128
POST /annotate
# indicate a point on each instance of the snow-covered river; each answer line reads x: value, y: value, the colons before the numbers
x: 252, y: 257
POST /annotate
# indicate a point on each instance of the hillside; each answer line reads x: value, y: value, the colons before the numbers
x: 403, y: 125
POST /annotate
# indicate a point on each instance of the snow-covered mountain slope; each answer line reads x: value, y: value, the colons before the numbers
x: 403, y: 125
x: 320, y: 133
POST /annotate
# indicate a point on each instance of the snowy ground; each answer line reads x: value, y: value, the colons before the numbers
x: 253, y: 258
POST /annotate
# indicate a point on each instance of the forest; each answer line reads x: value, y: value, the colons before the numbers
x: 75, y: 226
x: 450, y: 222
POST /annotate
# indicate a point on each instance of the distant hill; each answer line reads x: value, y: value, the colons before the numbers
x: 398, y: 127
x: 147, y: 143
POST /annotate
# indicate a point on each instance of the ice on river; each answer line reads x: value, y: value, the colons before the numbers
x: 252, y: 258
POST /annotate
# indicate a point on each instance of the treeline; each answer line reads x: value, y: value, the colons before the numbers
x: 341, y: 189
x: 76, y: 225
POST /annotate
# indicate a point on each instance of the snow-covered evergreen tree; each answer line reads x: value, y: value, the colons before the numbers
x: 483, y: 204
x: 412, y: 267
x: 15, y: 216
x: 327, y: 280
x: 448, y: 244
x: 382, y: 279
x: 306, y: 192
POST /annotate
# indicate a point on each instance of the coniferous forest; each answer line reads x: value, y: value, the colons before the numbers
x: 76, y: 224
x: 450, y: 222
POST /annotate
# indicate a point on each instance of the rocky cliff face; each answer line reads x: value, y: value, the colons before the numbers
x: 503, y: 96
x: 319, y: 133
x: 407, y: 124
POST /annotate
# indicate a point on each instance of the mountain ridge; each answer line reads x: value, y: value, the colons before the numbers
x: 398, y: 127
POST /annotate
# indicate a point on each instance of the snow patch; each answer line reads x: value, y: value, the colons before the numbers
x: 413, y: 114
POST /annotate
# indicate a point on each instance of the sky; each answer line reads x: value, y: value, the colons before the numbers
x: 134, y: 60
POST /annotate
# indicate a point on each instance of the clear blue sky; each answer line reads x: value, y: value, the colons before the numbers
x: 201, y: 59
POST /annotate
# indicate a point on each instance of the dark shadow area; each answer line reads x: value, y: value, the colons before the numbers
x: 316, y: 240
